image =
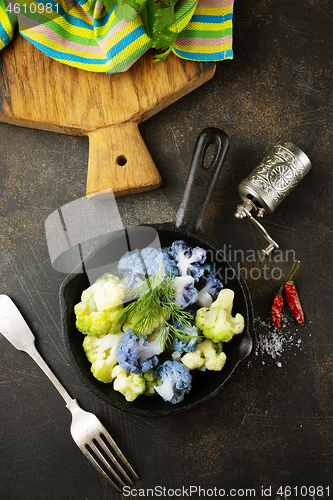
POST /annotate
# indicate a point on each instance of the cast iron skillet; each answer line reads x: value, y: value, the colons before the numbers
x: 208, y: 384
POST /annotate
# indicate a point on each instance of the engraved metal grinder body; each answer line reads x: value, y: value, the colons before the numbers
x: 269, y: 184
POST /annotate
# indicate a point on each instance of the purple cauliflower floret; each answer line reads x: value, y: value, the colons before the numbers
x: 176, y: 381
x: 208, y: 288
x: 137, y: 265
x: 132, y: 263
x: 185, y: 292
x: 169, y: 265
x: 189, y: 260
x: 134, y: 280
x: 152, y: 259
x: 181, y: 346
x: 135, y: 354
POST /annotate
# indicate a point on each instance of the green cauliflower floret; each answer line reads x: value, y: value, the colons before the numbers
x: 216, y: 322
x: 100, y: 305
x: 101, y: 352
x: 129, y: 384
x: 208, y: 356
x: 151, y: 380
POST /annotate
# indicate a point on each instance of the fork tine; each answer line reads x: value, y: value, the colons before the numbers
x: 106, y: 464
x: 92, y: 460
x: 119, y: 453
x: 109, y: 454
x: 98, y: 446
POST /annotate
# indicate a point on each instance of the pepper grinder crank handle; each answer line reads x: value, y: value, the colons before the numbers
x: 270, y: 183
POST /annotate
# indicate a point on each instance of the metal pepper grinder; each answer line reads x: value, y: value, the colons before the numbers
x: 269, y: 184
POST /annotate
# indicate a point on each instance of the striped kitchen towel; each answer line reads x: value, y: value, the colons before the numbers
x: 81, y: 33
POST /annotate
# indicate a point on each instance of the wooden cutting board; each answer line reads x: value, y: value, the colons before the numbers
x: 39, y: 92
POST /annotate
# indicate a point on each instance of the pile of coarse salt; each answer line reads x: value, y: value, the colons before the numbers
x: 274, y: 341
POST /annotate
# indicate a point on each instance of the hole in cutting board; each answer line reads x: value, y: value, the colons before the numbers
x: 121, y: 160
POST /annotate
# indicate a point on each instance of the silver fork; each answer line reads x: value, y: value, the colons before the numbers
x: 87, y: 431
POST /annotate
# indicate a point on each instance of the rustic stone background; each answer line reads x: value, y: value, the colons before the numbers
x: 272, y: 424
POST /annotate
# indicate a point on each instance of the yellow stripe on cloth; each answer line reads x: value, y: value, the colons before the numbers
x: 210, y: 26
x: 214, y: 11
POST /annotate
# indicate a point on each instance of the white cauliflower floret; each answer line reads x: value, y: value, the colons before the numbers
x: 100, y: 305
x: 101, y: 352
x: 208, y: 356
x: 216, y: 322
x: 131, y: 385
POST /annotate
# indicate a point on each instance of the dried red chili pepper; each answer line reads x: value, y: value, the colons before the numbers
x: 293, y: 300
x: 277, y: 307
x: 277, y: 304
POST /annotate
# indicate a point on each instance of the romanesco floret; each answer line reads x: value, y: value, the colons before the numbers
x: 100, y: 305
x: 101, y: 352
x: 208, y: 356
x: 176, y: 381
x: 217, y: 322
x: 130, y: 385
x: 135, y: 354
x: 189, y: 260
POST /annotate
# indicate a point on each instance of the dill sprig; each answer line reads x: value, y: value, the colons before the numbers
x: 153, y: 304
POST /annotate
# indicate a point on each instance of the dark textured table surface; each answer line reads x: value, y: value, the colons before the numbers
x: 271, y: 427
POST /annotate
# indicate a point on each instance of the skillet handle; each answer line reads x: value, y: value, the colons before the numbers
x: 201, y: 180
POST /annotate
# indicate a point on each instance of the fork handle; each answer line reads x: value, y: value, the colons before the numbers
x: 34, y: 354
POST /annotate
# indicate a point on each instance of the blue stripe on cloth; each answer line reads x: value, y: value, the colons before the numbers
x: 100, y: 22
x: 74, y: 21
x: 5, y: 38
x: 201, y: 18
x: 4, y: 35
x: 196, y: 56
x: 127, y: 40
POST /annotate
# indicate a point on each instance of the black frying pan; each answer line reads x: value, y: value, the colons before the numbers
x: 206, y: 385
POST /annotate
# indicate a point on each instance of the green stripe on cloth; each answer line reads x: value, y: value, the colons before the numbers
x: 203, y: 34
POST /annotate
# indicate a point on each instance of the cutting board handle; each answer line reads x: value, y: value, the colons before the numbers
x: 119, y: 160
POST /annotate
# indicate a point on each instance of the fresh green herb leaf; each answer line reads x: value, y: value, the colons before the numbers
x: 166, y: 17
x: 126, y: 9
x: 165, y: 40
x: 108, y: 5
x: 165, y: 37
x: 154, y: 304
x: 162, y: 37
x: 164, y: 55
